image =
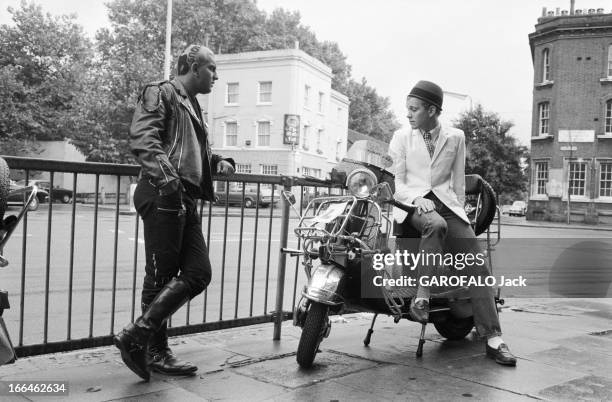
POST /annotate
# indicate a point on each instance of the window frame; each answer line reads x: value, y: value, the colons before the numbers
x: 259, y: 93
x: 258, y: 133
x: 225, y: 134
x: 543, y: 121
x: 546, y: 65
x: 264, y: 166
x: 307, y: 89
x: 320, y: 102
x: 608, y: 179
x: 227, y: 94
x: 609, y: 65
x: 305, y: 135
x: 583, y: 180
x: 608, y: 117
x: 541, y: 180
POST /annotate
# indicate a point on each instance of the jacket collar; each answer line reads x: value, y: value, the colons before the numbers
x: 442, y: 137
x: 185, y: 101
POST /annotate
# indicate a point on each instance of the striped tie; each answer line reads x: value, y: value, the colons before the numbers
x: 429, y: 143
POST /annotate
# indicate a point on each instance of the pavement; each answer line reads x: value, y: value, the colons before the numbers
x: 564, y: 348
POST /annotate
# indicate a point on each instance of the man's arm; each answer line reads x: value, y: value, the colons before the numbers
x: 458, y: 170
x: 146, y: 133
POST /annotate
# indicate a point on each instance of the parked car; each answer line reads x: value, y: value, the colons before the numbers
x: 57, y: 193
x: 505, y: 209
x: 250, y: 195
x: 518, y: 208
x: 18, y: 194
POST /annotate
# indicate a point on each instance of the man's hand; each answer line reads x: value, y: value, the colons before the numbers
x: 424, y: 205
x: 224, y: 167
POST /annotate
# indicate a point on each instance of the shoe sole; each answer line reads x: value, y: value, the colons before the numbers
x: 125, y: 356
x: 174, y: 373
x: 503, y: 363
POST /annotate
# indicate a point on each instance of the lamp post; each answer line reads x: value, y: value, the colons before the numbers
x: 168, y: 56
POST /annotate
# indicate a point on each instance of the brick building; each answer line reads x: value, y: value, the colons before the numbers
x: 571, y: 143
x: 275, y: 112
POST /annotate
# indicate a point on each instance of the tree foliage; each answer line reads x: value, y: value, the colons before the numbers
x: 56, y: 83
x: 493, y: 153
x: 43, y: 62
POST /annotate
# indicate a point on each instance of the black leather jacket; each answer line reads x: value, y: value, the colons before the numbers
x: 170, y: 140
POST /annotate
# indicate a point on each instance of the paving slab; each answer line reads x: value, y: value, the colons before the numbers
x: 227, y: 385
x: 587, y: 362
x: 589, y: 388
x: 329, y: 391
x: 171, y: 394
x: 287, y: 373
x: 403, y: 383
x: 99, y: 382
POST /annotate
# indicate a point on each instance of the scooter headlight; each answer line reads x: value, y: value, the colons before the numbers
x: 360, y: 182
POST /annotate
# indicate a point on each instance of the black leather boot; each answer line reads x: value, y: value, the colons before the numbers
x: 133, y: 340
x: 160, y: 357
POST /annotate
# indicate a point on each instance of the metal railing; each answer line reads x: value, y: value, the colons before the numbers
x: 81, y: 265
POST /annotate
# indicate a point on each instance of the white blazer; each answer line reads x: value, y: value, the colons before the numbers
x: 416, y: 173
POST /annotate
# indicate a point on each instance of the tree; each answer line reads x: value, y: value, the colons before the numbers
x: 43, y: 62
x: 369, y: 113
x: 493, y: 153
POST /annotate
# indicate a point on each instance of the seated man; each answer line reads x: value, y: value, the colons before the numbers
x: 429, y: 167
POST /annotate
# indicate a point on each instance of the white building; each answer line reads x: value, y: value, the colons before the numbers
x: 274, y: 112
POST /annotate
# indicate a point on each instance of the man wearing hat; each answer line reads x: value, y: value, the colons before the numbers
x: 429, y: 166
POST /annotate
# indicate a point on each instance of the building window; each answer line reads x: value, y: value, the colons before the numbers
x: 541, y: 176
x: 544, y: 113
x: 265, y: 92
x: 605, y: 180
x: 312, y: 172
x: 306, y: 96
x: 231, y: 133
x: 269, y: 169
x: 609, y: 117
x: 243, y: 168
x: 321, y: 98
x: 610, y: 61
x: 305, y: 137
x: 577, y: 178
x: 232, y: 93
x: 263, y: 133
x: 319, y: 137
x: 338, y: 150
x: 546, y: 65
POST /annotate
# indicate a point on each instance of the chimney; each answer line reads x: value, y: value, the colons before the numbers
x: 572, y: 4
x: 543, y: 11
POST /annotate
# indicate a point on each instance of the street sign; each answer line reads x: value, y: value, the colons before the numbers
x: 291, y: 134
x: 576, y: 135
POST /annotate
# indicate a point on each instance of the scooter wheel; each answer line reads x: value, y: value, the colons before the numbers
x: 312, y: 334
x: 455, y: 329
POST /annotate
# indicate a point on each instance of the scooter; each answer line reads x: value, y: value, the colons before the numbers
x: 340, y: 237
x: 7, y: 227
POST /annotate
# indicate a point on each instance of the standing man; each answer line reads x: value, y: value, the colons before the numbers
x: 169, y: 137
x: 429, y: 166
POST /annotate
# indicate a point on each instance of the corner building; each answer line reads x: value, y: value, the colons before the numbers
x: 275, y: 113
x: 571, y: 141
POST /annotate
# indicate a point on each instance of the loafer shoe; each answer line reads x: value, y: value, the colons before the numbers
x: 501, y: 355
x: 419, y: 311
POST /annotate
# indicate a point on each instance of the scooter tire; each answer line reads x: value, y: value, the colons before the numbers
x: 489, y: 208
x: 312, y: 334
x: 4, y: 186
x: 455, y: 329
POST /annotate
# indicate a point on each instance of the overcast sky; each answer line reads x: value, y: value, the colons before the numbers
x: 475, y: 47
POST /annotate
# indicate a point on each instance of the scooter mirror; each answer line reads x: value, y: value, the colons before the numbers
x: 288, y: 195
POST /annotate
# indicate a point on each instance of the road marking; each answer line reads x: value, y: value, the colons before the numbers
x: 113, y: 231
x: 20, y: 235
x: 140, y: 241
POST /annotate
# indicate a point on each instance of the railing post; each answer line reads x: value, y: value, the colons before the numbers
x: 282, y: 259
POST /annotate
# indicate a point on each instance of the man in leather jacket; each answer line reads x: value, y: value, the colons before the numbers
x: 169, y: 137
